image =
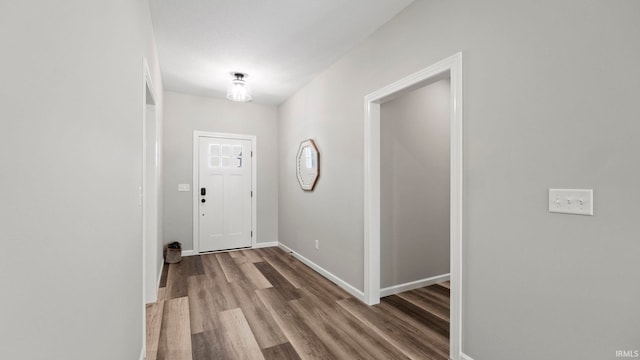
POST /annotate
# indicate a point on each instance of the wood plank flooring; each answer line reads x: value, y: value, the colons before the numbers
x: 265, y: 304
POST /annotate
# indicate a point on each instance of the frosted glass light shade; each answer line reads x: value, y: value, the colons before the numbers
x: 239, y: 91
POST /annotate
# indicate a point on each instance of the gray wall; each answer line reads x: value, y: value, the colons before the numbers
x: 414, y: 185
x: 185, y: 113
x: 550, y: 100
x: 71, y: 100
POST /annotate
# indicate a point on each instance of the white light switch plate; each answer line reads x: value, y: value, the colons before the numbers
x: 184, y: 187
x: 571, y: 201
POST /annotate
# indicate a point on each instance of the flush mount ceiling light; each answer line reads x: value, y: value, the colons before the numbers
x: 238, y: 91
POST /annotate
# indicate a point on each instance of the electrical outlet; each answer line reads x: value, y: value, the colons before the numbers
x: 317, y: 244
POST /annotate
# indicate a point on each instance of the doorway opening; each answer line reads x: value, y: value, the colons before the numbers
x: 451, y: 69
x: 149, y: 198
x: 414, y: 189
x: 224, y: 196
x: 150, y: 191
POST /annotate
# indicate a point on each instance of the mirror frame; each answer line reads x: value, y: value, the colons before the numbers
x: 315, y: 171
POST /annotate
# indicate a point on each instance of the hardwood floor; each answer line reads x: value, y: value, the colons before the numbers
x: 265, y: 304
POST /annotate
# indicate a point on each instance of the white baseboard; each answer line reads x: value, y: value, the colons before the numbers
x: 257, y: 246
x: 159, y: 277
x: 142, y: 353
x: 265, y: 244
x: 413, y: 285
x: 336, y: 280
x: 464, y: 356
x: 189, y: 253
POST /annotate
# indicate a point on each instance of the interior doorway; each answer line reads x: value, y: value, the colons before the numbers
x: 149, y: 198
x: 449, y: 68
x: 150, y: 192
x: 414, y: 189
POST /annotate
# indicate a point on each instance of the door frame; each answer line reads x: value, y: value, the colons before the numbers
x: 450, y: 67
x: 196, y: 165
x: 149, y: 248
x: 150, y: 214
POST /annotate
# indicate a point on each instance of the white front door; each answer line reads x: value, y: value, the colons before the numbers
x: 224, y: 193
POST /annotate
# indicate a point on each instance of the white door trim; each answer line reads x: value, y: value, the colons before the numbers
x: 196, y: 161
x: 150, y: 213
x: 449, y: 67
x: 147, y: 91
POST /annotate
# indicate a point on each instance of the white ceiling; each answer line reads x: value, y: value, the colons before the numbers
x: 281, y: 44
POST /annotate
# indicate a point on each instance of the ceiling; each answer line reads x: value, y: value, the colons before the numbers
x: 280, y: 44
